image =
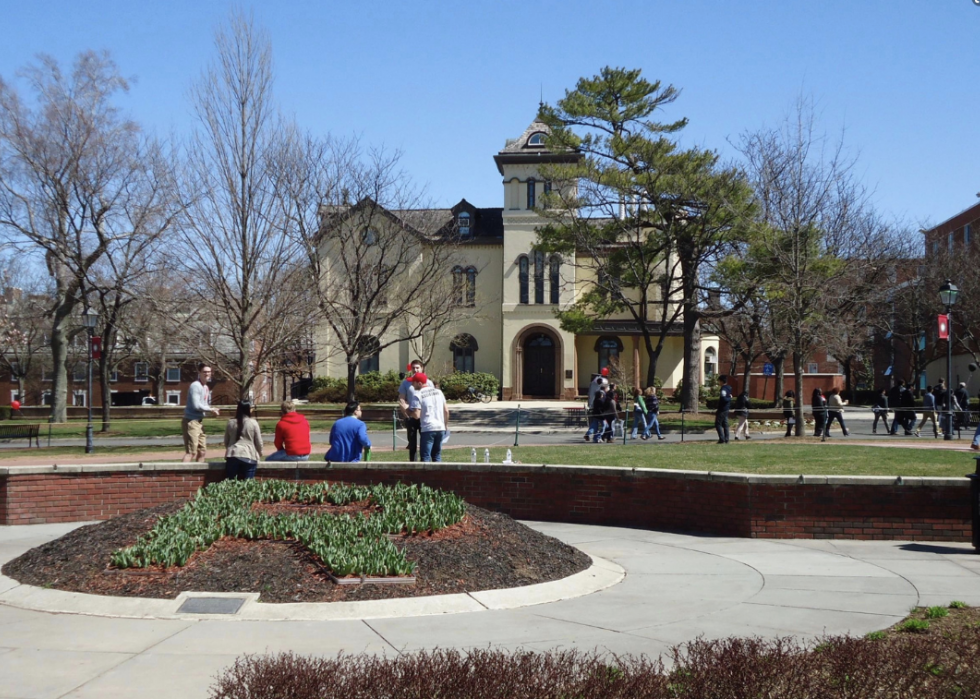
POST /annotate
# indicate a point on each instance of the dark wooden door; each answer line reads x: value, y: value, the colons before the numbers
x: 539, y: 366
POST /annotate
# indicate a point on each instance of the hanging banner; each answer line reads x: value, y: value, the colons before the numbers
x: 943, y: 327
x: 96, y: 348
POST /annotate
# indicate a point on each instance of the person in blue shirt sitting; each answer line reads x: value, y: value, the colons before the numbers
x: 348, y: 436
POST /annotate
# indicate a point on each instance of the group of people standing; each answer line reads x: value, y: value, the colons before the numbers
x: 604, y: 410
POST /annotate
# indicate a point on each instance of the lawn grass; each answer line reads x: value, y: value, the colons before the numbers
x: 214, y: 427
x: 762, y: 457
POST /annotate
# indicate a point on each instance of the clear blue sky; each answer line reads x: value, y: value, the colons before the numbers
x: 447, y: 82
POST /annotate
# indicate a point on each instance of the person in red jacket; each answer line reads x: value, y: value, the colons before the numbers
x: 292, y: 435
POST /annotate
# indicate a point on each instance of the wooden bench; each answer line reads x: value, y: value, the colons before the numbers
x: 21, y: 431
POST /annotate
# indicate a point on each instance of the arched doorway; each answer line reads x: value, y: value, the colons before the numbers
x: 540, y: 364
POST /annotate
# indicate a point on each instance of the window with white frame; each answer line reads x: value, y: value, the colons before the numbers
x: 710, y: 362
x: 14, y: 395
x: 173, y: 374
x: 813, y: 368
x: 173, y: 397
x: 78, y: 399
x: 46, y: 398
x: 141, y: 372
x: 114, y: 375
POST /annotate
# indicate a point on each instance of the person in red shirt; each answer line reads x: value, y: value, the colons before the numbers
x: 292, y: 435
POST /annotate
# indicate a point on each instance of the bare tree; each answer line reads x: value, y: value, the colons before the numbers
x: 23, y: 324
x: 76, y: 181
x: 821, y: 252
x: 246, y: 273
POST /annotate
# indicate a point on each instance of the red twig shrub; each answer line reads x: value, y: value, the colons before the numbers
x: 909, y: 667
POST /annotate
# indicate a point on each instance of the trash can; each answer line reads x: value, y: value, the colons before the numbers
x: 975, y: 504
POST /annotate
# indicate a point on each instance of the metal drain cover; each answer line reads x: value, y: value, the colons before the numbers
x: 211, y: 605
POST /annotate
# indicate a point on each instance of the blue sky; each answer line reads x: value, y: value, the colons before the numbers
x: 446, y: 83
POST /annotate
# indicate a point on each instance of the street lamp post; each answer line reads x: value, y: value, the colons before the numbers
x: 89, y: 319
x: 948, y: 294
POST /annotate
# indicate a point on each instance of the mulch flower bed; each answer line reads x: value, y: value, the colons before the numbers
x: 484, y: 551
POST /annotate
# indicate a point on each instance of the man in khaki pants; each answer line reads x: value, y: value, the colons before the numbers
x: 192, y: 426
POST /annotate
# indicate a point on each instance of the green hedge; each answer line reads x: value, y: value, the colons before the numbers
x: 377, y: 387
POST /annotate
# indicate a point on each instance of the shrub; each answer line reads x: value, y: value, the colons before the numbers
x: 956, y: 604
x: 454, y: 385
x: 925, y: 667
x: 372, y: 386
x: 936, y: 612
x: 914, y: 626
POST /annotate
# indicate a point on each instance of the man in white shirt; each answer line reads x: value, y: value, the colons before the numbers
x: 406, y: 394
x: 429, y: 407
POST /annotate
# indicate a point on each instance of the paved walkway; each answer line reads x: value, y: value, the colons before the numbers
x: 675, y: 588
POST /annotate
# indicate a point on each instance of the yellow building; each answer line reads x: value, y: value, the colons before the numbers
x: 509, y: 294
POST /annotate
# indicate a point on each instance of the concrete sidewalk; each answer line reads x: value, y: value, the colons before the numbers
x: 676, y: 588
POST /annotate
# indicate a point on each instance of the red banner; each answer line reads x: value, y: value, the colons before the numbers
x: 943, y: 327
x: 96, y: 348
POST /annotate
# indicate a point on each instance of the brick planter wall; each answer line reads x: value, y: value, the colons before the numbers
x: 922, y: 509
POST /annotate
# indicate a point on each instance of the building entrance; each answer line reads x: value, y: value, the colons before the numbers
x: 539, y: 366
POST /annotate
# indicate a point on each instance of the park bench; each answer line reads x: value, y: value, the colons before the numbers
x: 21, y: 431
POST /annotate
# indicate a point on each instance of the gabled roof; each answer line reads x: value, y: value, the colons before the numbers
x: 486, y: 225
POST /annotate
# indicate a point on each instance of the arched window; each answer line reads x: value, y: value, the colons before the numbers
x: 530, y: 193
x: 369, y: 236
x: 538, y: 276
x: 710, y: 363
x: 555, y: 279
x: 369, y: 350
x: 464, y: 347
x: 471, y: 286
x: 458, y: 285
x: 463, y: 224
x: 522, y: 265
x: 608, y: 348
x: 536, y: 140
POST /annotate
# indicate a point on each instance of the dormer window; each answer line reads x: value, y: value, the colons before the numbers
x: 463, y: 224
x: 536, y: 140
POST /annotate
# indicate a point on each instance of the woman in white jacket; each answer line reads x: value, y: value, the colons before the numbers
x: 835, y: 411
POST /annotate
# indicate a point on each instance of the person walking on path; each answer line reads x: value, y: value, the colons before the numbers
x: 789, y: 412
x: 943, y: 406
x: 406, y: 394
x: 192, y: 426
x: 880, y: 410
x: 928, y: 413
x: 595, y: 387
x: 243, y: 444
x: 895, y: 400
x: 961, y: 417
x: 818, y: 403
x: 639, y: 415
x: 433, y: 415
x: 742, y: 410
x: 604, y: 408
x: 721, y: 414
x: 652, y: 401
x: 835, y: 411
x: 292, y: 435
x: 348, y: 437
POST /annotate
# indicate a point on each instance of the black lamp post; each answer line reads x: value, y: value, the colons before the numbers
x: 89, y: 319
x: 948, y: 294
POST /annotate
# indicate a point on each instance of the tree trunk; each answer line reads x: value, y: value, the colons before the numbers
x: 20, y: 390
x: 351, y: 381
x: 105, y: 390
x: 798, y: 375
x: 779, y: 363
x: 692, y: 359
x: 59, y: 355
x: 747, y: 375
x: 653, y: 357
